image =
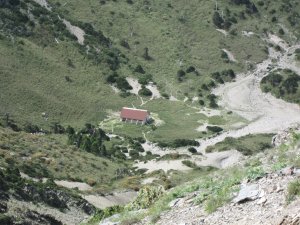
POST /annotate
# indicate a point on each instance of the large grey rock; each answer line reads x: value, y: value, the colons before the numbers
x: 247, y: 193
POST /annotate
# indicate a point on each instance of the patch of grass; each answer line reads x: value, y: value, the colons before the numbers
x: 190, y: 164
x: 293, y: 190
x: 255, y: 172
x: 102, y: 214
x: 248, y: 145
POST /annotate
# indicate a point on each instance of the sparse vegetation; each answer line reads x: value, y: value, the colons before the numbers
x: 293, y: 190
x: 248, y: 145
x: 283, y: 84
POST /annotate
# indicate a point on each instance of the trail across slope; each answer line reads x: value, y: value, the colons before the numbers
x: 266, y: 114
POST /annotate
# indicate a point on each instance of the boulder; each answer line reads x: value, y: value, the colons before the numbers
x: 247, y: 193
x: 287, y: 171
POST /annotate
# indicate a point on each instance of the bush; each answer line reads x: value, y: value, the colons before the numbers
x: 123, y: 84
x: 146, y: 197
x: 218, y: 20
x: 214, y: 129
x: 134, y: 154
x: 145, y: 92
x: 281, y: 31
x: 139, y: 69
x: 180, y: 73
x: 165, y: 95
x: 145, y: 79
x: 124, y: 43
x: 189, y: 163
x: 190, y: 69
x: 146, y: 55
x: 184, y: 142
x: 5, y: 219
x: 112, y: 78
x: 30, y: 128
x: 293, y: 190
x: 192, y: 150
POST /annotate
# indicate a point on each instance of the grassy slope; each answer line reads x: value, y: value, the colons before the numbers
x: 49, y: 156
x: 33, y: 81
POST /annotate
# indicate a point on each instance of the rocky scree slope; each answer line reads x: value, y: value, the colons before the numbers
x: 268, y: 197
x: 28, y: 202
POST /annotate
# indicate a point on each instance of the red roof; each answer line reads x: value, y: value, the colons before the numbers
x: 134, y: 114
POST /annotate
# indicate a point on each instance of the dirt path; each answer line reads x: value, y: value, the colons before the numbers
x: 230, y: 55
x: 43, y: 3
x: 266, y: 114
x: 76, y: 31
x: 69, y: 184
x: 103, y: 202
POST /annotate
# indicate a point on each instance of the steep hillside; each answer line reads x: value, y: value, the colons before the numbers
x: 44, y: 69
x: 219, y: 78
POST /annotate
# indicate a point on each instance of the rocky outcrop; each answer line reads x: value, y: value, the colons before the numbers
x: 37, y: 203
x: 34, y: 218
x: 261, y: 201
x: 53, y: 197
x: 285, y: 135
x: 290, y: 220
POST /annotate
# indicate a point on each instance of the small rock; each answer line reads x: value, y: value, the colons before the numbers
x: 278, y: 189
x: 296, y: 171
x: 287, y: 171
x: 174, y: 202
x: 261, y: 201
x: 261, y: 194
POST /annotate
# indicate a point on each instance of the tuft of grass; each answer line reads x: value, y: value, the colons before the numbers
x: 293, y: 190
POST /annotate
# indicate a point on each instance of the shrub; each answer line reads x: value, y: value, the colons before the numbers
x: 146, y: 55
x: 145, y: 79
x: 56, y: 128
x: 165, y: 95
x: 190, y: 69
x: 146, y: 197
x: 180, y: 73
x: 139, y: 69
x: 189, y: 163
x: 213, y: 104
x: 145, y: 92
x: 293, y: 190
x: 31, y: 128
x: 214, y: 129
x: 184, y: 142
x: 5, y: 219
x: 112, y: 78
x: 192, y: 150
x: 124, y: 43
x: 281, y: 31
x: 254, y: 173
x: 123, y: 84
x: 134, y: 154
x: 201, y: 102
x: 218, y: 20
